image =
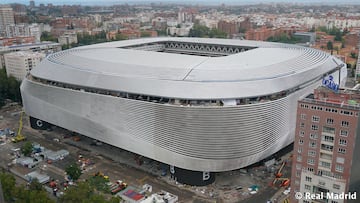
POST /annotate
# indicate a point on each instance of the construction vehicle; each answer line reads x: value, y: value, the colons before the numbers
x: 19, y: 137
x: 100, y: 174
x: 119, y: 186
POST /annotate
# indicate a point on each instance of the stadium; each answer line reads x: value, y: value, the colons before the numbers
x: 198, y: 105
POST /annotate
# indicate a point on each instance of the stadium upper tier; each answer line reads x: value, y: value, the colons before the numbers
x: 263, y: 68
x: 198, y: 104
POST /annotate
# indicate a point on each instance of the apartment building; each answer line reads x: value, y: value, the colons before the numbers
x: 326, y: 144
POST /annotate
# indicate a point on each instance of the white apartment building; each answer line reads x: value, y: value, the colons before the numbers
x: 6, y: 17
x: 68, y: 38
x: 18, y: 64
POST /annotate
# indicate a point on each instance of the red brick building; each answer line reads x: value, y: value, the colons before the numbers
x: 326, y: 145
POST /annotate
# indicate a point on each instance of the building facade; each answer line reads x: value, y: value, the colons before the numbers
x: 6, y: 17
x: 18, y: 64
x: 200, y: 105
x: 326, y: 143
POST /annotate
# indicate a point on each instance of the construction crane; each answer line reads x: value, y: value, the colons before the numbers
x: 19, y: 137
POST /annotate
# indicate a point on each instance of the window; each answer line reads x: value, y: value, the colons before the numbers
x: 338, y: 176
x: 308, y: 179
x: 298, y: 173
x: 314, y: 127
x: 301, y: 133
x: 344, y: 133
x: 342, y: 142
x: 299, y: 158
x: 325, y: 164
x: 345, y: 123
x: 330, y: 121
x: 336, y: 186
x: 312, y: 144
x: 341, y: 150
x: 328, y: 138
x: 302, y: 125
x: 303, y: 116
x: 327, y: 147
x: 311, y: 161
x: 328, y: 130
x: 340, y: 160
x: 298, y: 166
x: 307, y: 187
x: 301, y: 142
x: 310, y: 169
x: 315, y: 119
x: 321, y: 183
x: 313, y: 136
x: 339, y: 168
x: 300, y: 150
x: 311, y: 153
x: 324, y: 173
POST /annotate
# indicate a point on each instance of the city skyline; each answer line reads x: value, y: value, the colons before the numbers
x: 209, y: 2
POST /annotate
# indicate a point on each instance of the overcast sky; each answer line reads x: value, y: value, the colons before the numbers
x: 110, y: 2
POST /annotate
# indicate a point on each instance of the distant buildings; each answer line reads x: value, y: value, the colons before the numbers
x: 68, y: 38
x: 306, y: 37
x: 229, y: 27
x: 23, y: 30
x: 6, y: 17
x: 326, y: 144
x: 18, y: 64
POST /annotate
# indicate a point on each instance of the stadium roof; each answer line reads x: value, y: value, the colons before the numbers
x: 264, y: 69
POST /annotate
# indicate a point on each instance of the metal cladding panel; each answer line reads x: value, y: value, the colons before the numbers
x: 194, y: 138
x: 266, y: 69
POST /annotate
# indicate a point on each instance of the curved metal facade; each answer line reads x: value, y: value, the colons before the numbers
x: 194, y: 138
x: 197, y: 138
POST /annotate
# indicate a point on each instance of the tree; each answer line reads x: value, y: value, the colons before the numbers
x: 34, y: 193
x: 27, y: 149
x: 84, y: 192
x: 74, y: 171
x: 329, y: 45
x: 9, y: 88
x: 35, y: 185
x: 145, y: 34
x: 353, y: 55
x: 46, y: 36
x: 99, y: 183
x: 8, y: 185
x: 120, y: 36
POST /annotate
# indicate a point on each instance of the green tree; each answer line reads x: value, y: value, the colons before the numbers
x: 21, y: 194
x: 27, y: 149
x: 215, y: 33
x: 83, y: 192
x: 8, y: 185
x: 145, y: 34
x: 120, y: 36
x: 9, y: 88
x: 329, y: 45
x: 74, y: 171
x: 353, y: 55
x: 99, y: 183
x: 36, y: 185
x: 199, y: 31
x: 46, y: 36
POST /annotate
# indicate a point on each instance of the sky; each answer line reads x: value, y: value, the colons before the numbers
x: 213, y: 2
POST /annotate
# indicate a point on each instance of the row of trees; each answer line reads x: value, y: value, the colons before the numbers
x: 9, y: 88
x: 284, y: 38
x: 203, y: 31
x: 32, y: 193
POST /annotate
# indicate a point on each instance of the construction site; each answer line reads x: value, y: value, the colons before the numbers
x: 132, y: 177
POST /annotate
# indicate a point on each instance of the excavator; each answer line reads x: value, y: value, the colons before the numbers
x: 19, y: 137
